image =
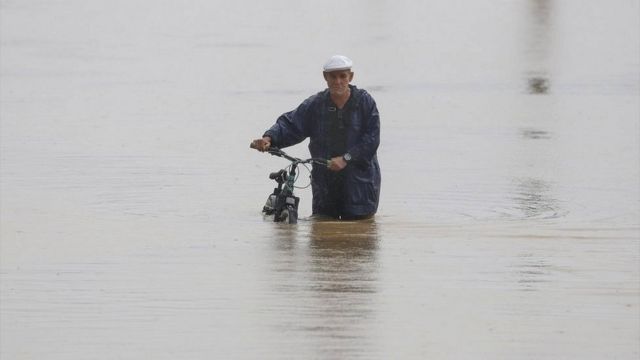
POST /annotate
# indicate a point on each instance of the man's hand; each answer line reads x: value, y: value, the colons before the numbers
x: 261, y: 144
x: 337, y: 164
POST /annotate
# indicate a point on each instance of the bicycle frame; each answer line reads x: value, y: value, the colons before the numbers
x: 282, y: 203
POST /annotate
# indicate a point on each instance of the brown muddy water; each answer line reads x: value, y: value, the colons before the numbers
x: 130, y: 203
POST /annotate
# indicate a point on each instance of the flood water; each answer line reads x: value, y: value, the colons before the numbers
x: 130, y: 202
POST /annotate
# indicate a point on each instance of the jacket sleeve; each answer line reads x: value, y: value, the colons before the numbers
x: 366, y: 147
x: 291, y: 127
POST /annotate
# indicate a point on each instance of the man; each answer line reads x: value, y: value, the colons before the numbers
x: 343, y: 125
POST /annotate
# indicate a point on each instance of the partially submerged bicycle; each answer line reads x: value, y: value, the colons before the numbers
x: 282, y: 203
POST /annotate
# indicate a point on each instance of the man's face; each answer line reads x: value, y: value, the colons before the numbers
x: 338, y: 81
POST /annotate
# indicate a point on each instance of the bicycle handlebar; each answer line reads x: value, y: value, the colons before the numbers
x: 277, y: 152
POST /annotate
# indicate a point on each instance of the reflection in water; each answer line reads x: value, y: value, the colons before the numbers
x: 538, y: 85
x: 534, y: 200
x: 535, y: 134
x: 532, y: 194
x: 285, y: 238
x: 531, y: 271
x: 329, y: 273
x: 537, y: 51
x: 343, y: 255
x: 343, y: 278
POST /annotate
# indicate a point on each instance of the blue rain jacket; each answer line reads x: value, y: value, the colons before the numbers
x: 360, y: 181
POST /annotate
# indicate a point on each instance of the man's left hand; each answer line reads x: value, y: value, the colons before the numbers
x: 337, y: 164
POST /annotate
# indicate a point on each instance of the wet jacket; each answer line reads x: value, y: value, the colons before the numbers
x: 360, y: 180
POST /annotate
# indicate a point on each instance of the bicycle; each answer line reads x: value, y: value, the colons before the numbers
x: 282, y: 203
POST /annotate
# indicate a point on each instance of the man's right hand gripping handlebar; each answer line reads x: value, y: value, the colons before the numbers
x: 261, y: 145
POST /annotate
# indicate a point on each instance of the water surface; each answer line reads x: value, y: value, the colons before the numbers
x: 130, y: 202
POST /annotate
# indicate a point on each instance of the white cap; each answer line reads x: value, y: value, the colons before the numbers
x: 338, y: 62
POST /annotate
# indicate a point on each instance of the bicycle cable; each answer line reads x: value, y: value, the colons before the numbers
x: 298, y: 175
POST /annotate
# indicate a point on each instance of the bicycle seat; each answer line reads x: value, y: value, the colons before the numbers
x: 278, y: 175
